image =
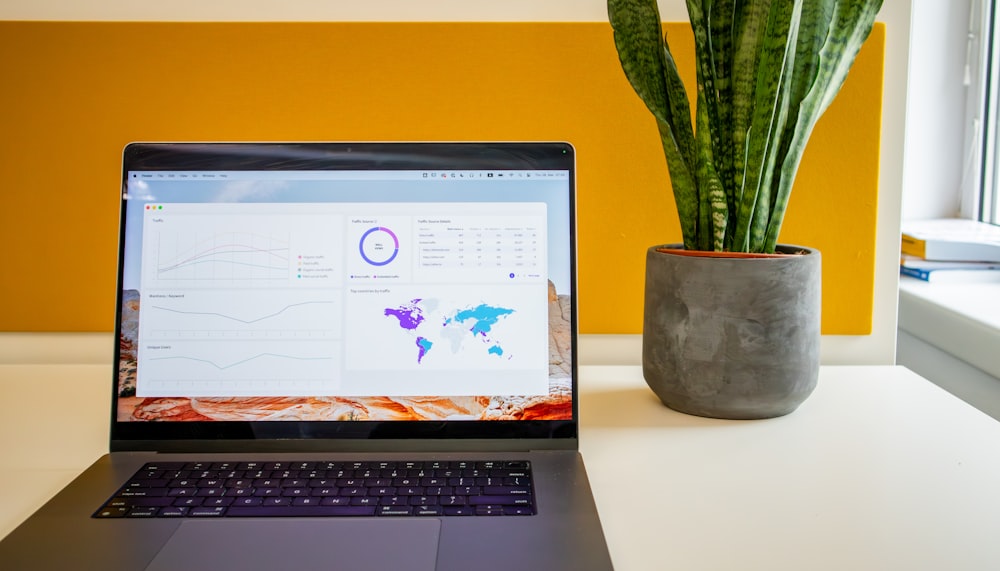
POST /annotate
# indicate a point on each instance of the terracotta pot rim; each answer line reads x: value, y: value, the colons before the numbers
x: 730, y: 255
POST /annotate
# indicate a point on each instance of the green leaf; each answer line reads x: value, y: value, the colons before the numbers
x: 680, y: 148
x: 833, y: 32
x: 639, y: 39
x: 748, y: 29
x: 722, y: 20
x: 769, y: 111
x: 650, y: 68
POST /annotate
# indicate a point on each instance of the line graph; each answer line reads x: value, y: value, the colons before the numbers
x: 229, y: 256
x: 245, y: 321
x: 223, y: 367
x: 237, y: 368
x: 236, y: 314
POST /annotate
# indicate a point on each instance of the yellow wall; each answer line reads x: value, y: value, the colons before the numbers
x: 74, y: 93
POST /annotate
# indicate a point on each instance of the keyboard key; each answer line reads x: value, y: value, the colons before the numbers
x: 143, y: 511
x: 202, y: 511
x: 188, y: 502
x: 423, y: 500
x: 335, y: 501
x: 173, y: 512
x: 304, y: 511
x: 395, y: 510
x: 160, y: 501
x: 147, y: 492
x: 112, y: 512
x: 499, y: 500
x: 506, y: 491
x: 248, y: 501
x: 218, y: 502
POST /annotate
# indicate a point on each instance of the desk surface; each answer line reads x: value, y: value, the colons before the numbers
x: 879, y: 469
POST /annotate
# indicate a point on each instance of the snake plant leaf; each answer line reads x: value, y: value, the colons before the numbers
x: 680, y: 148
x: 722, y: 17
x: 639, y: 40
x: 770, y: 93
x: 748, y: 37
x: 684, y: 186
x: 713, y: 204
x: 843, y: 26
x: 680, y: 109
x: 707, y: 95
x: 646, y: 60
x: 714, y: 209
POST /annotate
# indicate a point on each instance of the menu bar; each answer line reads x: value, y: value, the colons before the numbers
x: 442, y: 175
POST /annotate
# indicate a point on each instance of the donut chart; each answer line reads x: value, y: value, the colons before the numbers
x: 379, y: 246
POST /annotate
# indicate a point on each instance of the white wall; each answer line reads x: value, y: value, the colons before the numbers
x: 935, y: 118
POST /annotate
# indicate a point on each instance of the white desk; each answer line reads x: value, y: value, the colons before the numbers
x: 879, y: 469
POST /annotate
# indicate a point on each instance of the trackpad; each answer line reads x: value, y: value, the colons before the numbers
x: 301, y: 544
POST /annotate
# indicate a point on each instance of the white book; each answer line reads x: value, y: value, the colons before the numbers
x: 951, y: 239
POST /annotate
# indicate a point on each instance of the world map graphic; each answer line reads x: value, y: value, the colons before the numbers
x: 432, y: 327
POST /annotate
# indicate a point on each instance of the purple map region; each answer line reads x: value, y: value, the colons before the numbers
x: 423, y: 346
x: 410, y: 316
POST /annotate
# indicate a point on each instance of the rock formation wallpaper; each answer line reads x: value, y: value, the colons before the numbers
x: 556, y: 405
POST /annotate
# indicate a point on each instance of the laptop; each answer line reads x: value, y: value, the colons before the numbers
x: 337, y: 356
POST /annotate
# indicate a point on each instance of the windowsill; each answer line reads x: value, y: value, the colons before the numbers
x: 960, y: 319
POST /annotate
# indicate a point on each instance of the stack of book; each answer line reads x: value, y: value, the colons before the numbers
x: 950, y: 249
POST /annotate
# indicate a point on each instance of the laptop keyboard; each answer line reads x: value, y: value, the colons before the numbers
x: 324, y: 489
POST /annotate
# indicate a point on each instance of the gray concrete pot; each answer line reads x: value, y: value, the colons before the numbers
x: 733, y: 338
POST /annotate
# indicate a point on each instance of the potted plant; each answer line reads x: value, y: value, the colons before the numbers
x: 731, y: 317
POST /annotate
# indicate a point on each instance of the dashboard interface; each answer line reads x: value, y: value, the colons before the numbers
x: 345, y: 295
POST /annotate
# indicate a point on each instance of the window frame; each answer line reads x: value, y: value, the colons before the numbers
x: 981, y: 168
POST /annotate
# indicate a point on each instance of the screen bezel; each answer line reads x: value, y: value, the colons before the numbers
x: 335, y: 435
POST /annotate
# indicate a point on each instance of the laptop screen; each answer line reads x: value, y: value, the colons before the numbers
x: 341, y: 290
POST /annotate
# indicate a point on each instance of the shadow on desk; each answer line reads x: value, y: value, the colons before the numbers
x: 638, y: 408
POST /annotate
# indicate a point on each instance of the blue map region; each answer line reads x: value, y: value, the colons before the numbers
x: 423, y: 346
x: 429, y: 326
x: 484, y: 317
